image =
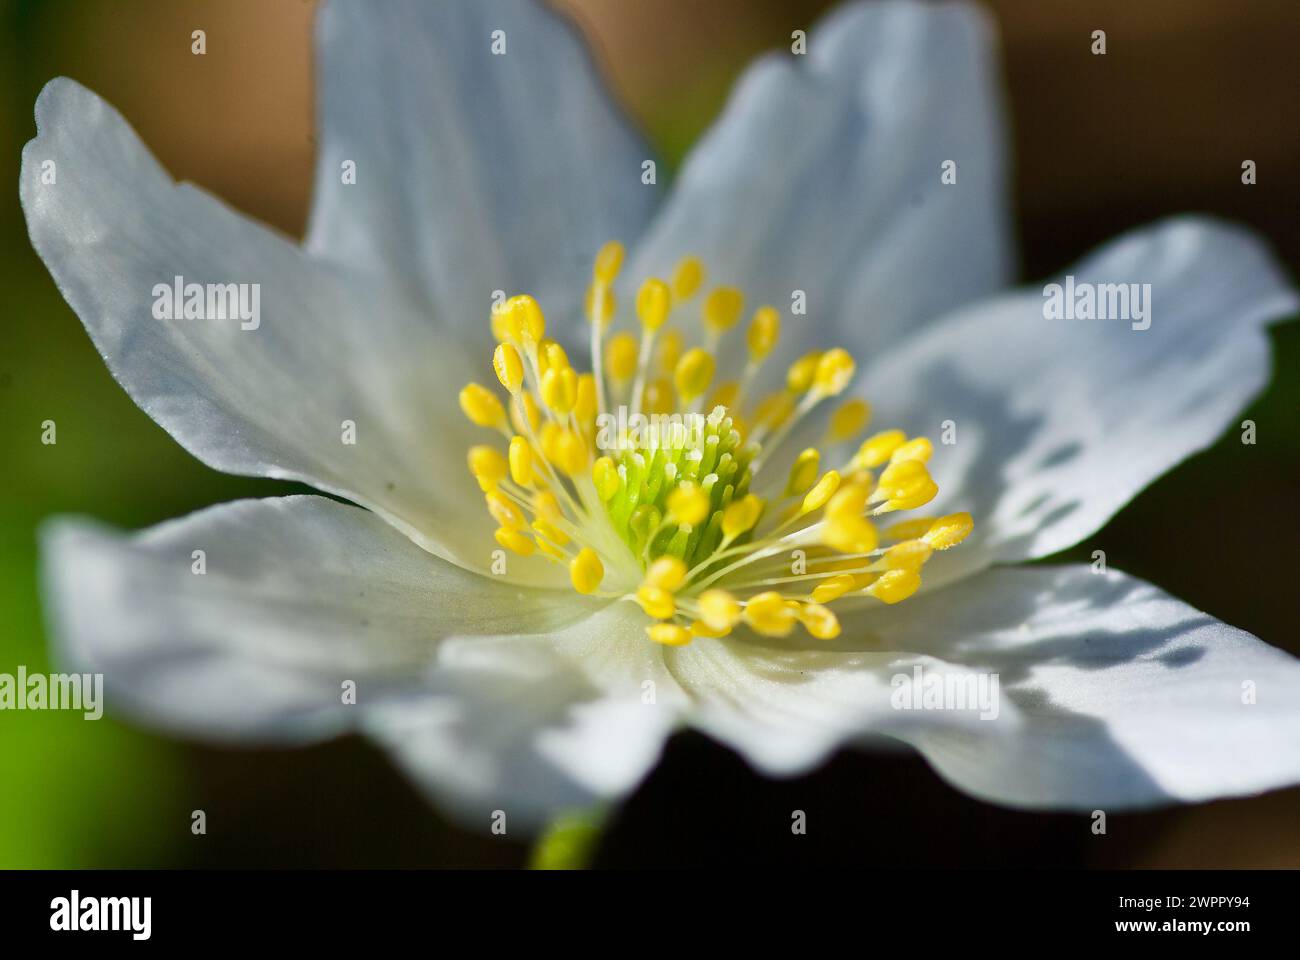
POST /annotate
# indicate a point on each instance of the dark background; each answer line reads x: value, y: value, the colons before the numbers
x: 1161, y: 124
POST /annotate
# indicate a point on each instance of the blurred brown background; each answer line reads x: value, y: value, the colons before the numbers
x: 1161, y: 124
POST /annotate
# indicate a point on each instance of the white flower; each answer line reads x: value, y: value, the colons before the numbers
x: 477, y: 172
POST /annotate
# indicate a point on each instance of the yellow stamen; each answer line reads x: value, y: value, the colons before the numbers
x: 668, y: 634
x: 719, y: 609
x: 652, y: 303
x: 722, y: 308
x: 656, y: 602
x: 822, y: 492
x: 621, y: 357
x: 769, y: 615
x: 848, y: 420
x: 586, y: 571
x: 521, y: 461
x: 487, y: 466
x: 803, y: 473
x: 688, y: 504
x: 693, y: 374
x: 687, y: 278
x: 509, y: 368
x: 482, y: 406
x: 515, y: 541
x: 609, y: 260
x: 764, y: 330
x: 949, y: 531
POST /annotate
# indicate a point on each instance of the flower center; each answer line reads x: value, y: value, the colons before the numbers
x: 620, y: 476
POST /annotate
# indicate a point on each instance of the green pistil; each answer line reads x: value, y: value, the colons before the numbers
x: 709, y: 453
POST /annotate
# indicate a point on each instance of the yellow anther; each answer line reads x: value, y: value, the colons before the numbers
x: 550, y: 355
x: 834, y: 371
x: 551, y: 532
x: 521, y: 461
x: 487, y: 466
x: 769, y: 614
x: 802, y: 372
x: 848, y: 420
x: 908, y: 555
x: 504, y: 511
x: 604, y: 474
x: 878, y: 448
x: 803, y: 472
x: 849, y: 500
x: 687, y: 277
x: 895, y: 585
x: 586, y: 571
x: 906, y: 485
x: 774, y: 409
x: 819, y: 621
x: 701, y: 629
x: 722, y: 308
x: 688, y: 504
x: 719, y: 609
x: 693, y: 374
x: 724, y: 396
x: 834, y: 587
x: 666, y: 573
x: 741, y: 515
x: 823, y: 491
x: 652, y: 303
x: 546, y: 506
x: 550, y: 549
x: 570, y: 453
x: 656, y: 602
x: 530, y: 414
x: 668, y: 634
x: 585, y: 408
x: 515, y: 541
x: 526, y: 318
x: 609, y: 261
x: 918, y: 448
x: 502, y: 322
x: 482, y: 406
x: 763, y: 332
x: 658, y: 396
x: 509, y: 368
x: 621, y: 357
x: 600, y: 304
x: 560, y: 389
x: 949, y: 531
x: 911, y: 529
x: 670, y: 351
x: 849, y: 533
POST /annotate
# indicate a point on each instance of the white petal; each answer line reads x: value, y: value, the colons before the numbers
x: 536, y: 725
x: 1126, y: 697
x: 823, y: 175
x: 1110, y: 694
x: 270, y: 401
x: 299, y: 595
x: 474, y: 171
x: 1058, y: 423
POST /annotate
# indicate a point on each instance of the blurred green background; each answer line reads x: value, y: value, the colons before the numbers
x: 1160, y: 125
